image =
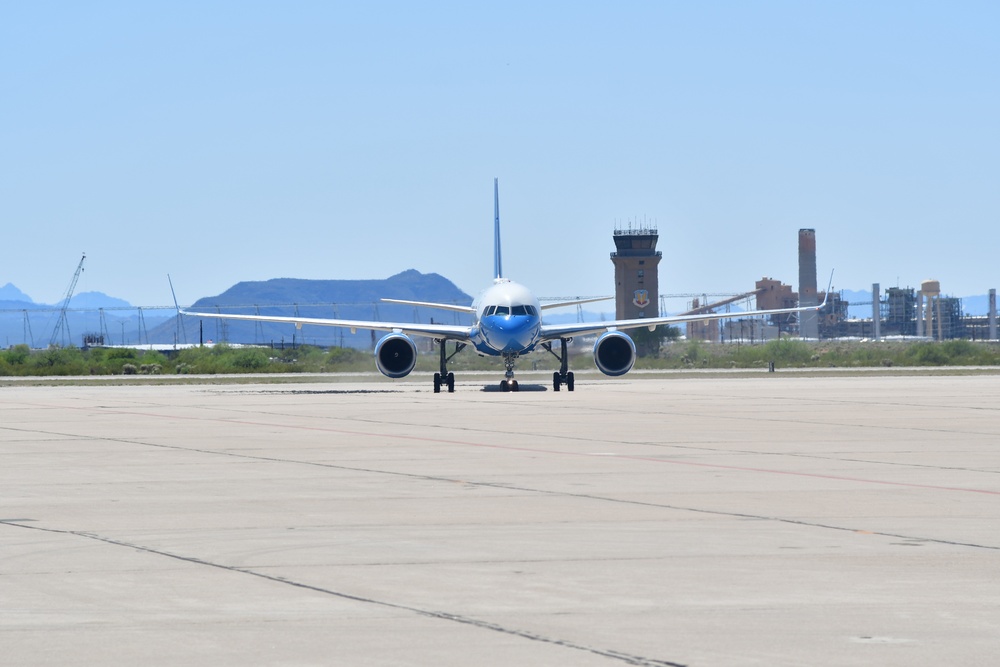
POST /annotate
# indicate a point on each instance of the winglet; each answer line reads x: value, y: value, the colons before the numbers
x: 173, y: 294
x: 180, y: 320
x: 826, y: 294
x: 497, y: 264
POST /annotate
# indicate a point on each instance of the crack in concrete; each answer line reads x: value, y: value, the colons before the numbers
x: 441, y: 615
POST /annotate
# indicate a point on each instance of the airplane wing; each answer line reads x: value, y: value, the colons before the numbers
x: 429, y: 304
x: 451, y: 332
x: 555, y: 331
x: 574, y: 302
x: 470, y: 309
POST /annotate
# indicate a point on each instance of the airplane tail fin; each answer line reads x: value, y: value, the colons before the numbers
x: 497, y: 265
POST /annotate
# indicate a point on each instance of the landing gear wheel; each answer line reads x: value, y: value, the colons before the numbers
x: 513, y: 385
x: 563, y: 376
x: 504, y: 386
x: 559, y: 379
x: 443, y: 378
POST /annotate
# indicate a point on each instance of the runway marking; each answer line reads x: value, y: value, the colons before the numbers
x: 627, y: 658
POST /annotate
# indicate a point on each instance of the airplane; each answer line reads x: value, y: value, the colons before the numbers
x: 506, y: 322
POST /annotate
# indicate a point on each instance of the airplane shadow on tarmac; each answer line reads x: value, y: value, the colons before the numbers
x: 521, y: 387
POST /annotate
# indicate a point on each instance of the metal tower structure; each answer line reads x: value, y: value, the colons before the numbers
x: 63, y: 323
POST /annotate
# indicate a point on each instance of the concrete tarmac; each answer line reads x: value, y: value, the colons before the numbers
x: 765, y: 520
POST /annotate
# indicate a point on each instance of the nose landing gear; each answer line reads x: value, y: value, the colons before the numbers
x: 509, y: 383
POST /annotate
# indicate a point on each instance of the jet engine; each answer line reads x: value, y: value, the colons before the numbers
x: 614, y: 353
x: 396, y: 355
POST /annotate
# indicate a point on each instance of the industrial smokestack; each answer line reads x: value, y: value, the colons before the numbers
x: 993, y: 314
x: 808, y: 321
x: 876, y: 312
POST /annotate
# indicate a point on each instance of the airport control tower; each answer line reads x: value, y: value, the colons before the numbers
x: 637, y: 292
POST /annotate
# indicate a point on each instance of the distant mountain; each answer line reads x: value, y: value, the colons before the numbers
x: 23, y: 321
x: 409, y: 284
x: 10, y: 293
x: 343, y: 299
x: 98, y: 313
x: 97, y: 300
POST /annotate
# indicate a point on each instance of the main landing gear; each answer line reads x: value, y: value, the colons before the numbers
x: 563, y: 376
x: 448, y: 380
x: 509, y: 383
x: 444, y: 378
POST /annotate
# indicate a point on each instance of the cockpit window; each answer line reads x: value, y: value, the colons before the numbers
x: 505, y: 311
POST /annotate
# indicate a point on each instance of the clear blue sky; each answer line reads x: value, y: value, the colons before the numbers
x: 229, y: 141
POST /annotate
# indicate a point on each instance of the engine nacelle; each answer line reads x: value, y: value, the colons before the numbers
x: 395, y: 355
x: 614, y: 353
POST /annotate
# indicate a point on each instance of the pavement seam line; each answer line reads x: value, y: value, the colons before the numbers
x: 507, y: 487
x: 441, y: 615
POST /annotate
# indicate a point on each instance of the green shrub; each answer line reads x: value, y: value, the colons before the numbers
x: 347, y: 358
x: 928, y: 354
x: 788, y: 352
x: 59, y: 361
x: 18, y: 355
x: 251, y: 359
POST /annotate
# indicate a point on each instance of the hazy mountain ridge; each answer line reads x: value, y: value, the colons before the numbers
x: 410, y: 284
x: 97, y: 300
x: 12, y: 297
x: 344, y: 299
x: 11, y: 293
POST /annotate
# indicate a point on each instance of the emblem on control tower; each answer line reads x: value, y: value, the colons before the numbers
x: 640, y: 298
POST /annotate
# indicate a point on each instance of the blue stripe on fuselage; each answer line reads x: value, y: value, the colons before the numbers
x: 508, y: 333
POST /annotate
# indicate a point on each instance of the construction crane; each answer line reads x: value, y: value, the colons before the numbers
x: 63, y: 323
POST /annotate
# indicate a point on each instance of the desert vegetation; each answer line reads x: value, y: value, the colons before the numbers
x: 19, y: 360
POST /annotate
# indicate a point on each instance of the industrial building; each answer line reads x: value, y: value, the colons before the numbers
x: 925, y: 313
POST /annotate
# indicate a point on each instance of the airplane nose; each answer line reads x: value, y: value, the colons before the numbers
x: 509, y: 334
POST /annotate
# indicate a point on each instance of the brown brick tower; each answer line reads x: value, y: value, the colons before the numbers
x: 636, y: 259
